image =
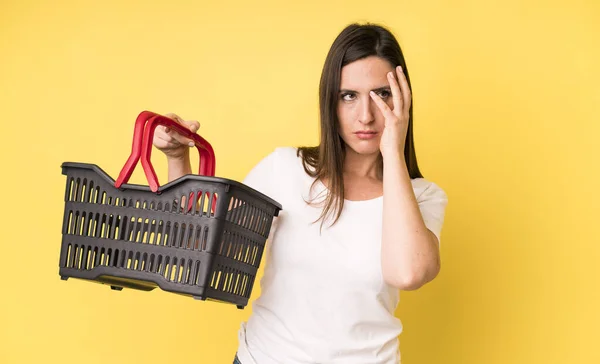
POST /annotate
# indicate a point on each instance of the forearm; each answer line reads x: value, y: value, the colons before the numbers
x: 410, y: 253
x: 178, y: 167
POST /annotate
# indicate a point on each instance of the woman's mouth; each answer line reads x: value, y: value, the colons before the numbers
x: 366, y: 134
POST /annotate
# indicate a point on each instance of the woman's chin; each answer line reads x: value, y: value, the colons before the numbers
x: 365, y: 147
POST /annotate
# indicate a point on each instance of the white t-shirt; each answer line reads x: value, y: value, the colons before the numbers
x: 323, y: 296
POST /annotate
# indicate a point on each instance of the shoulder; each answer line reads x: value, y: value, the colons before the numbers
x: 285, y: 158
x: 286, y: 153
x: 269, y: 173
x: 432, y: 201
x: 426, y: 190
x: 279, y: 155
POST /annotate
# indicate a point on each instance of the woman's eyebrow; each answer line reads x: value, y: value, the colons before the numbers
x: 379, y: 89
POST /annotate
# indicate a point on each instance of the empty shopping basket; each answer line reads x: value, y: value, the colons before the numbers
x: 199, y: 235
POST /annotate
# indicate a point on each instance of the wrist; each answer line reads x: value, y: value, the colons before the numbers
x: 178, y: 166
x: 393, y: 155
x: 182, y: 157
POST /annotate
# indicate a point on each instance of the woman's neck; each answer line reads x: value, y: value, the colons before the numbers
x: 359, y: 165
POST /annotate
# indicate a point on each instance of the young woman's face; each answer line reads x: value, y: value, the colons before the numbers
x: 361, y: 122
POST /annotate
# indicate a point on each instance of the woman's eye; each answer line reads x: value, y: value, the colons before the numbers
x: 384, y: 94
x: 347, y: 97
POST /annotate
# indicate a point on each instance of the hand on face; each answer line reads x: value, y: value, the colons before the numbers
x: 396, y: 120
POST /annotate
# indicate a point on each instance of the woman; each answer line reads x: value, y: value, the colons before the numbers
x: 359, y: 221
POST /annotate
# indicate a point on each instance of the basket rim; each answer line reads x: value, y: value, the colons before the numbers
x: 170, y: 185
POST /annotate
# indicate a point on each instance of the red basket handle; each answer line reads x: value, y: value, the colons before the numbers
x: 207, y: 155
x: 136, y: 148
x: 142, y: 147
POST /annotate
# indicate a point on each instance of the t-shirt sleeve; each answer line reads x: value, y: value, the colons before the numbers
x: 432, y: 202
x: 261, y: 176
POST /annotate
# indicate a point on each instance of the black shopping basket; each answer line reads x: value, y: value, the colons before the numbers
x: 199, y: 235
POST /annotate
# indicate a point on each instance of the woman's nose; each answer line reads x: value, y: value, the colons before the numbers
x: 366, y: 111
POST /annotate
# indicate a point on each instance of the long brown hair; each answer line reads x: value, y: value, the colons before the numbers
x: 326, y: 161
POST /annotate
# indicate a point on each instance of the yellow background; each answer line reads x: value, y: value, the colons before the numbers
x: 506, y: 121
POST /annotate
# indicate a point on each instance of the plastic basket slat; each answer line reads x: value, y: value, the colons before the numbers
x: 198, y: 236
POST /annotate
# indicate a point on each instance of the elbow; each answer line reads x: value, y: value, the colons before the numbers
x: 406, y: 283
x: 413, y: 279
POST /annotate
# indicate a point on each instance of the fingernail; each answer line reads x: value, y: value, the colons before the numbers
x: 191, y: 144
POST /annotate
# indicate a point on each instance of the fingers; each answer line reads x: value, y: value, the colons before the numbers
x: 163, y: 144
x: 406, y: 94
x: 383, y: 107
x: 192, y: 125
x: 171, y: 138
x: 174, y: 117
x: 396, y: 94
